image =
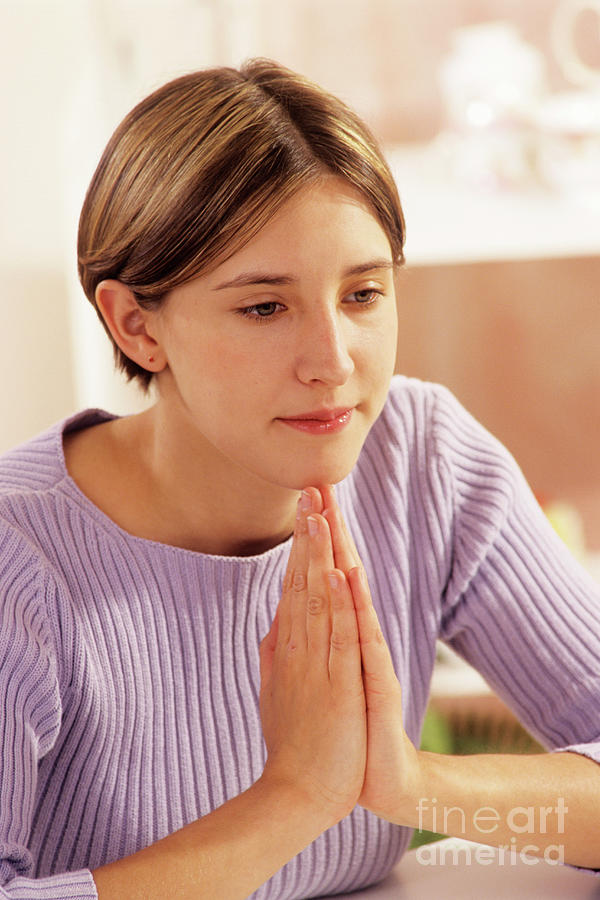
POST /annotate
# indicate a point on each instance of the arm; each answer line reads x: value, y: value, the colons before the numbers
x: 228, y: 853
x: 559, y: 792
x: 30, y: 716
x: 536, y: 803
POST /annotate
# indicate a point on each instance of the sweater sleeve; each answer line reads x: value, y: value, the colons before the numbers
x: 31, y: 715
x: 517, y: 606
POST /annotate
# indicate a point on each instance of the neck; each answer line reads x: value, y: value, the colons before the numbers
x: 201, y: 499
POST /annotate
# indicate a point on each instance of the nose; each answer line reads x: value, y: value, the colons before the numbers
x: 324, y: 350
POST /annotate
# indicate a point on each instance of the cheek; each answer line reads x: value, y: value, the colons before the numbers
x: 378, y: 347
x: 390, y: 338
x: 255, y: 359
x: 241, y: 374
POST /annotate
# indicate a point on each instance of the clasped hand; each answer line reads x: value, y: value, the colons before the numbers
x: 330, y: 700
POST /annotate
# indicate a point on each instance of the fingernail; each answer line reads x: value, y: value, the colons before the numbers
x: 313, y: 526
x: 305, y: 501
x: 333, y: 581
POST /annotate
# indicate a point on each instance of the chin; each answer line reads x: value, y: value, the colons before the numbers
x: 313, y: 476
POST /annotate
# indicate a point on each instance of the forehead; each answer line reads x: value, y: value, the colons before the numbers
x: 324, y: 223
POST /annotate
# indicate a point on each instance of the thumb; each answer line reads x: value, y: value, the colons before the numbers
x: 379, y: 677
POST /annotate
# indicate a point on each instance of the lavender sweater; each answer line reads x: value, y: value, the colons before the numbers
x: 129, y: 669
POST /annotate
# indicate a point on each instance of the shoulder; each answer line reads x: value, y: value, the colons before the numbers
x: 427, y: 406
x: 429, y: 455
x: 23, y: 571
x: 31, y: 665
x: 414, y: 414
x: 38, y: 464
x: 408, y: 398
x: 32, y: 477
x: 399, y: 464
x: 428, y: 415
x: 418, y: 407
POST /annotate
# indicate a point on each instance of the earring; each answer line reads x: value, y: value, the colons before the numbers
x: 150, y: 359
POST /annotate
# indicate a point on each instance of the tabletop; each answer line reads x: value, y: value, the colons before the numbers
x: 456, y: 869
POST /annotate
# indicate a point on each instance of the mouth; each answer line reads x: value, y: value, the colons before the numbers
x: 320, y: 421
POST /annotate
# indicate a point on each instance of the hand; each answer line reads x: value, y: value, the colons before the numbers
x: 312, y: 699
x: 392, y: 770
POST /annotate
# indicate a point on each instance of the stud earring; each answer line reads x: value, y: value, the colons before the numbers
x: 150, y: 359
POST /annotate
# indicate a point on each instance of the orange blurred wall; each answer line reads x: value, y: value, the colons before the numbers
x: 519, y: 344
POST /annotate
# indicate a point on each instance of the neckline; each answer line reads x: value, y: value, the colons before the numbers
x: 94, y: 416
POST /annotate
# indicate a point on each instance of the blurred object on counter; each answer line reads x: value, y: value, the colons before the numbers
x: 465, y: 723
x: 465, y: 711
x: 592, y: 564
x: 569, y: 16
x: 569, y: 122
x: 483, y: 724
x: 568, y: 156
x: 453, y: 221
x: 503, y: 128
x: 453, y: 677
x: 492, y: 83
x: 567, y: 523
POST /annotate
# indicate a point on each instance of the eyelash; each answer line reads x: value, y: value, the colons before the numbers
x: 247, y: 311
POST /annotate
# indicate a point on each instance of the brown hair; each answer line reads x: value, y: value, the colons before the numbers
x: 197, y: 168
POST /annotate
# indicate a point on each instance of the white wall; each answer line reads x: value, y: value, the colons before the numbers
x: 70, y: 69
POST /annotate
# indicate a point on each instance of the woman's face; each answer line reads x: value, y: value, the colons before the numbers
x: 279, y: 360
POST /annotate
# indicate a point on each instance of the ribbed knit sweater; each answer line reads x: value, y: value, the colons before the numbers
x: 129, y: 669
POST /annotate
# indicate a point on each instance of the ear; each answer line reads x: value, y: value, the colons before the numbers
x: 128, y: 323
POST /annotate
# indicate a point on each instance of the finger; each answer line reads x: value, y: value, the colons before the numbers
x: 344, y: 651
x: 308, y: 501
x: 378, y: 669
x: 269, y: 642
x: 316, y: 498
x: 293, y: 557
x: 345, y: 553
x: 267, y: 650
x: 320, y: 562
x: 285, y: 604
x: 368, y: 623
x: 328, y: 494
x: 297, y: 575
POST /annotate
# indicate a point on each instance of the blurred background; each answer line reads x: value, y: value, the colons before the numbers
x: 489, y: 111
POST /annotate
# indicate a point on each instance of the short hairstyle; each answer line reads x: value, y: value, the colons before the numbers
x: 199, y: 166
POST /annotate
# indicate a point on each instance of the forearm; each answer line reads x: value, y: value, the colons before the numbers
x: 227, y: 854
x: 536, y: 802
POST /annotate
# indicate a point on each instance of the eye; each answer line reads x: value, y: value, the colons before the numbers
x: 260, y: 311
x: 366, y: 297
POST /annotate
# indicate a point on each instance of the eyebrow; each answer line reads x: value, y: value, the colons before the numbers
x: 244, y: 279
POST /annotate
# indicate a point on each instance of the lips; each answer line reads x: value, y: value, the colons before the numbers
x: 320, y: 421
x: 320, y: 415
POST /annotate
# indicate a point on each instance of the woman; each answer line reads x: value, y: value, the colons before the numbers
x: 215, y: 671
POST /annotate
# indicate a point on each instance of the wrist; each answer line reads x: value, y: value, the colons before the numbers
x: 296, y: 805
x: 399, y: 802
x: 423, y: 785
